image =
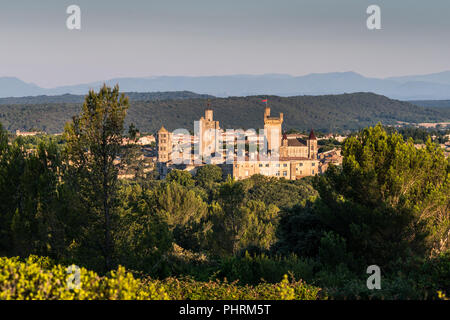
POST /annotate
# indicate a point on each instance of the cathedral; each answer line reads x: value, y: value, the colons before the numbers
x: 274, y: 154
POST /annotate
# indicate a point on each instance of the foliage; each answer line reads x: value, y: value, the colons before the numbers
x: 255, y: 268
x: 239, y: 223
x: 300, y: 231
x: 181, y: 177
x: 208, y: 175
x: 31, y: 280
x: 189, y: 289
x: 280, y: 192
x: 389, y: 200
x: 39, y: 279
x: 29, y: 219
x: 142, y: 237
x: 93, y: 144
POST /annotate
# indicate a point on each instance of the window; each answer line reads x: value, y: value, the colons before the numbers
x: 312, y: 171
x: 277, y: 165
x: 285, y: 173
x: 260, y: 165
x: 301, y: 164
x: 267, y: 165
x: 313, y: 164
x: 285, y: 165
x: 278, y: 173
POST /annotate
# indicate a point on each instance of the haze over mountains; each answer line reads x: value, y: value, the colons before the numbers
x: 416, y: 87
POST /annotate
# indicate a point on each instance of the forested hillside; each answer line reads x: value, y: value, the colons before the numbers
x: 324, y: 113
x: 133, y: 96
x: 432, y: 103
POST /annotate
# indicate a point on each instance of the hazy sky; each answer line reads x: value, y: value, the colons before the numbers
x: 215, y: 37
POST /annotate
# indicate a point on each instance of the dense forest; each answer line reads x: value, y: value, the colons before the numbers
x: 388, y: 205
x: 432, y: 103
x: 330, y: 113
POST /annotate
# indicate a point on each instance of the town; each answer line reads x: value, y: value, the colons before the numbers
x: 271, y: 152
x: 242, y: 154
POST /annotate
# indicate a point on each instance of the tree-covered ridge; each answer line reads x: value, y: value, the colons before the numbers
x: 323, y: 113
x: 432, y: 103
x: 133, y: 96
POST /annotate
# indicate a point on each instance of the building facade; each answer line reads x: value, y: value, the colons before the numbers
x: 281, y: 156
x: 209, y: 130
x: 164, y: 138
x: 272, y: 130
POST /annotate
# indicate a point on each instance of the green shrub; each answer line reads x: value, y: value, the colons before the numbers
x: 32, y: 280
x: 187, y: 288
x: 40, y: 279
x: 252, y: 269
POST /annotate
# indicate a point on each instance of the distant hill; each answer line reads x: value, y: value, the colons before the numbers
x: 325, y: 113
x: 421, y: 87
x: 432, y: 103
x: 13, y: 87
x: 134, y: 96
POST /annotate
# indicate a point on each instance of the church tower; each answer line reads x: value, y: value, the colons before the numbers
x: 312, y: 145
x: 164, y: 145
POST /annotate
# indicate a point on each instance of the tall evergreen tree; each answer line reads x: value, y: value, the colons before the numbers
x: 93, y: 145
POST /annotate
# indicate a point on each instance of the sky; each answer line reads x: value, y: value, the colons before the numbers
x: 142, y: 38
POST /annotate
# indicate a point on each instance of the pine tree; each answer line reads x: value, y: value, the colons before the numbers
x: 93, y: 145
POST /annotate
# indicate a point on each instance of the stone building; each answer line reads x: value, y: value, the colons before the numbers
x: 164, y: 145
x: 290, y: 158
x: 272, y: 130
x: 208, y: 129
x: 288, y: 168
x: 330, y: 157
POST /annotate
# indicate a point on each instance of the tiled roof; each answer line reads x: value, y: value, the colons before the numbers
x: 295, y: 158
x: 295, y: 143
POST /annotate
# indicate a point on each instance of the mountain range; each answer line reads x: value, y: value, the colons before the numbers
x: 434, y: 86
